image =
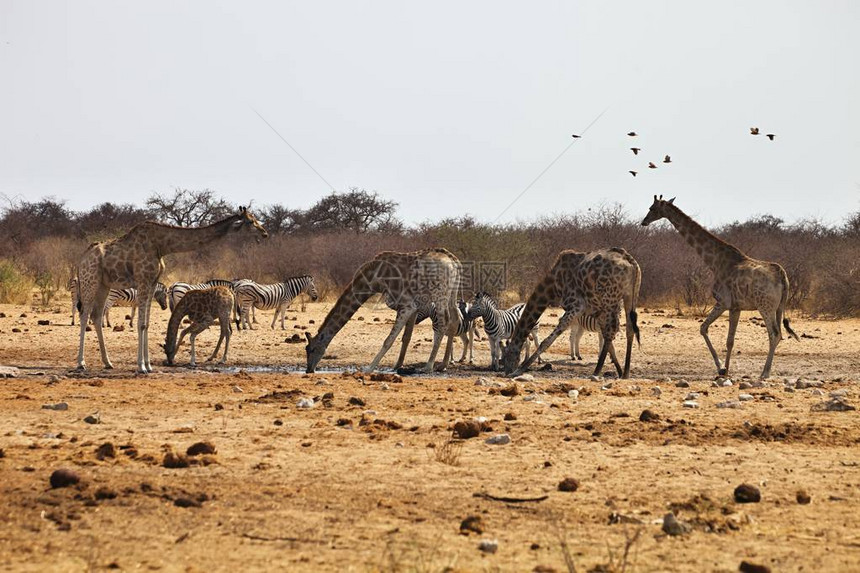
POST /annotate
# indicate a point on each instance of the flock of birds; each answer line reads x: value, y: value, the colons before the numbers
x: 667, y: 158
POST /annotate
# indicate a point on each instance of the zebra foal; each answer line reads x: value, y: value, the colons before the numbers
x: 498, y: 324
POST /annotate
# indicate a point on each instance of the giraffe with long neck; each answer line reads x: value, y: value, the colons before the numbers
x: 592, y: 284
x: 740, y: 282
x: 135, y: 260
x: 407, y: 281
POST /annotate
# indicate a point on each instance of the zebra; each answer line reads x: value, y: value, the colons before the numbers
x: 579, y: 326
x: 498, y: 324
x: 178, y: 289
x: 128, y: 297
x: 270, y: 296
x: 466, y: 327
x: 116, y: 297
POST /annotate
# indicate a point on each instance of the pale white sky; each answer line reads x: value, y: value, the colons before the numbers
x: 446, y: 107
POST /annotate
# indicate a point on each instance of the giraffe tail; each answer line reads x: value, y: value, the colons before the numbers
x: 632, y: 319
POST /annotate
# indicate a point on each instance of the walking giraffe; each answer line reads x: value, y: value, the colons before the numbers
x: 740, y: 282
x: 592, y: 284
x: 407, y: 282
x: 202, y: 307
x: 134, y: 260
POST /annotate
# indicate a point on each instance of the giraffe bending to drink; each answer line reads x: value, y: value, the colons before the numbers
x: 740, y: 282
x: 135, y: 260
x: 592, y: 284
x: 407, y: 282
x: 202, y: 307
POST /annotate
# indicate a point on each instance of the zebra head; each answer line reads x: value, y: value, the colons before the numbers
x: 510, y: 358
x: 315, y: 350
x: 160, y: 295
x: 482, y: 304
x: 170, y: 349
x: 311, y: 288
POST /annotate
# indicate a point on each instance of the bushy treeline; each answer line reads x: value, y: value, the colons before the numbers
x: 43, y: 240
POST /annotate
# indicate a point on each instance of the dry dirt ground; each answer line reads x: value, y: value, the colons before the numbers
x: 367, y: 480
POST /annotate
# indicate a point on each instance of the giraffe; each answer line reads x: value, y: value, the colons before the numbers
x: 135, y: 260
x: 590, y: 284
x: 407, y: 281
x: 202, y: 307
x: 740, y: 282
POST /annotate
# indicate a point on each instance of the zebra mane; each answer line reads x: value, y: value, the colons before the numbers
x: 487, y: 297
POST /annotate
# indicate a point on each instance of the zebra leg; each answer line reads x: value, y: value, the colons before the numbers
x: 131, y: 321
x: 576, y: 332
x: 402, y: 317
x: 106, y: 320
x: 563, y: 324
x: 537, y: 342
x: 464, y: 338
x: 404, y: 342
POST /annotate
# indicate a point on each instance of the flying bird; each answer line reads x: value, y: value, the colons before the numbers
x: 635, y: 150
x: 651, y: 165
x: 576, y: 136
x: 753, y: 131
x: 770, y: 136
x: 667, y: 159
x: 633, y: 173
x: 632, y: 134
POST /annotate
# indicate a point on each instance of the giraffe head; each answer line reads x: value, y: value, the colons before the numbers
x: 244, y: 219
x: 315, y: 350
x: 657, y: 210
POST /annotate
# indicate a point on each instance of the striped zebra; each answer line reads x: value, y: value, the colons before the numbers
x: 466, y: 327
x: 277, y: 296
x: 498, y: 324
x: 579, y: 326
x: 128, y: 297
x: 178, y: 290
x: 116, y: 297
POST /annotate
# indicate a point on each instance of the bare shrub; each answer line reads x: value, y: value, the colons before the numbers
x: 449, y: 452
x: 51, y: 261
x: 15, y: 285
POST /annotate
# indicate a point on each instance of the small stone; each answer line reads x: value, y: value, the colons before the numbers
x: 467, y: 429
x: 530, y: 398
x: 356, y: 401
x: 726, y: 383
x: 105, y: 492
x: 43, y: 322
x: 278, y: 422
x: 788, y: 388
x: 64, y: 478
x: 595, y: 378
x: 94, y: 418
x: 690, y: 404
x: 510, y: 390
x: 607, y: 386
x: 834, y: 405
x: 9, y: 371
x: 489, y: 545
x: 237, y: 389
x: 573, y: 394
x: 59, y: 406
x: 656, y: 391
x: 175, y: 461
x: 745, y: 397
x: 524, y: 378
x: 746, y: 493
x: 201, y: 448
x: 692, y: 396
x: 482, y: 382
x: 498, y: 440
x: 568, y: 484
x: 729, y: 404
x: 472, y: 524
x: 219, y: 407
x: 510, y: 416
x: 119, y: 328
x: 803, y: 498
x: 817, y: 392
x: 186, y: 502
x: 842, y: 393
x: 673, y: 527
x: 682, y: 384
x: 106, y: 450
x: 648, y: 416
x: 305, y: 403
x: 745, y: 386
x: 747, y: 567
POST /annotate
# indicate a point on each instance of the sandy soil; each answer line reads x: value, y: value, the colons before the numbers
x: 366, y: 480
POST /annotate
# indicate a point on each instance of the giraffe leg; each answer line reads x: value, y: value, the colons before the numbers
x: 734, y: 317
x: 226, y: 333
x: 608, y: 331
x: 402, y: 317
x: 715, y: 313
x: 452, y: 326
x: 404, y: 342
x: 85, y: 313
x: 143, y: 310
x: 97, y: 315
x: 563, y: 324
x: 774, y: 336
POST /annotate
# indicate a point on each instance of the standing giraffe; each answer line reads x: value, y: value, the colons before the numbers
x: 407, y: 281
x: 592, y: 284
x: 740, y: 282
x: 134, y: 260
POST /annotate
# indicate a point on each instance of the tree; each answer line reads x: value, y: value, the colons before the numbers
x: 24, y: 222
x: 111, y: 219
x: 188, y: 208
x: 357, y: 210
x: 280, y: 220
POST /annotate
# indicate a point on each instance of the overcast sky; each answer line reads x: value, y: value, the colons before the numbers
x: 446, y: 107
